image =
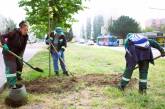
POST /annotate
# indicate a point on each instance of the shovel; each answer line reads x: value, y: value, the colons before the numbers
x: 153, y: 59
x: 137, y: 67
x: 61, y: 59
x: 20, y: 58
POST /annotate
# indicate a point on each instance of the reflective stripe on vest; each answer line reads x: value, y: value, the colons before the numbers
x: 143, y: 80
x: 11, y: 75
x: 125, y: 79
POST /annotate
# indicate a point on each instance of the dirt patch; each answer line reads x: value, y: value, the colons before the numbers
x: 54, y: 84
x: 101, y: 79
x: 104, y: 79
x: 64, y: 84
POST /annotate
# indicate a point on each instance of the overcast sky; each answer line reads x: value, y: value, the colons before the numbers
x: 138, y: 9
x: 10, y: 8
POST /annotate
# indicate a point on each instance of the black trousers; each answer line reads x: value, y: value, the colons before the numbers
x: 143, y: 73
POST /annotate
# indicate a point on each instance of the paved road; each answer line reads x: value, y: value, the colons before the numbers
x: 30, y: 51
x: 155, y: 51
x: 122, y: 49
x: 2, y: 70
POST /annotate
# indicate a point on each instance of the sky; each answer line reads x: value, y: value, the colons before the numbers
x: 138, y: 9
x: 10, y: 9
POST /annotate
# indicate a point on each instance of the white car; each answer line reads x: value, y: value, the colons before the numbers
x: 81, y: 41
x: 90, y: 42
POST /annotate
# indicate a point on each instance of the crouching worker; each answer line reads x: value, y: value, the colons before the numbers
x: 138, y: 51
x: 58, y: 44
x: 15, y: 41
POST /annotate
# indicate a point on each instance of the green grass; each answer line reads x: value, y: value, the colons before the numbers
x: 83, y: 60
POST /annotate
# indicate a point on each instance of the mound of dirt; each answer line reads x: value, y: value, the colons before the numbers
x: 63, y: 84
x: 101, y: 79
x: 54, y: 84
x: 104, y: 79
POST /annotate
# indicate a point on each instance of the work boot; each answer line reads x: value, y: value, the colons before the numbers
x: 57, y: 73
x: 66, y: 73
x: 143, y: 91
x: 121, y: 87
x: 18, y: 75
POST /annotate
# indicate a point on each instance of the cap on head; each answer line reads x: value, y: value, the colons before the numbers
x: 59, y: 31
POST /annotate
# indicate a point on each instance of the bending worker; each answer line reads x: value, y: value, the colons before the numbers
x: 138, y: 51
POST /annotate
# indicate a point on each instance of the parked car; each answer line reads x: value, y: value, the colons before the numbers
x: 90, y: 42
x: 81, y: 41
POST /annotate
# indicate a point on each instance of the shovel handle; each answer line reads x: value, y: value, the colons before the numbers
x: 61, y: 59
x: 20, y: 59
x: 15, y: 55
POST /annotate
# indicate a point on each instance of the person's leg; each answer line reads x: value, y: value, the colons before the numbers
x: 130, y: 65
x: 62, y: 63
x: 19, y: 69
x: 55, y: 62
x: 143, y: 72
x: 10, y: 70
x: 126, y: 77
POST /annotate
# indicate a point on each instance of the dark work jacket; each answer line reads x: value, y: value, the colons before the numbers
x: 137, y: 54
x: 15, y: 41
x: 58, y: 41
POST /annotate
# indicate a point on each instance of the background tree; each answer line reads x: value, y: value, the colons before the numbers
x: 6, y: 24
x: 153, y: 28
x: 88, y: 28
x: 109, y: 22
x: 97, y: 24
x: 39, y: 30
x: 69, y: 35
x: 162, y: 28
x: 83, y: 32
x: 124, y: 25
x: 61, y: 13
x: 148, y: 29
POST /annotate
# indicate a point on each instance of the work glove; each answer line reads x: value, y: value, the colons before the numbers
x: 63, y: 48
x: 50, y: 40
x: 5, y: 47
x: 60, y: 42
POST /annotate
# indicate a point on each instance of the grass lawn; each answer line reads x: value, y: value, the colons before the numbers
x: 84, y: 60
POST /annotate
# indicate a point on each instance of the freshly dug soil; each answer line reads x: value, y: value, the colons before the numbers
x: 63, y: 84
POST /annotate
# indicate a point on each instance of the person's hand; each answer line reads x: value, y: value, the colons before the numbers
x: 50, y: 40
x: 60, y: 42
x: 63, y: 48
x: 5, y: 47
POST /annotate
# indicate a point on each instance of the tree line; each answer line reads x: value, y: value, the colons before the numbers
x: 6, y: 24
